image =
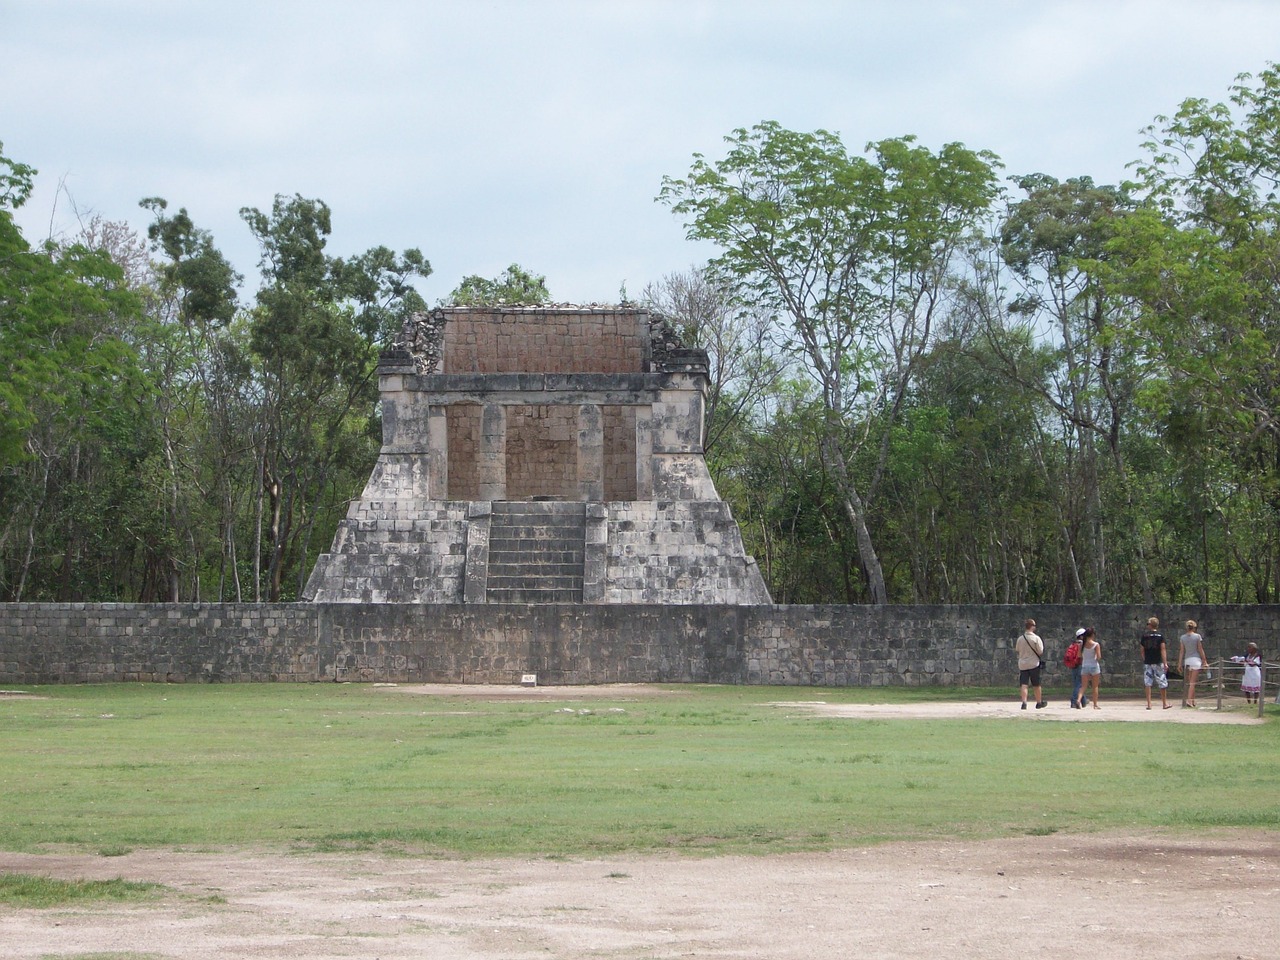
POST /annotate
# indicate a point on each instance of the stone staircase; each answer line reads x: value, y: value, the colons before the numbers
x: 535, y: 552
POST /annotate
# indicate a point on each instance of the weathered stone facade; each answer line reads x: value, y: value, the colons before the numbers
x: 579, y: 643
x: 596, y: 407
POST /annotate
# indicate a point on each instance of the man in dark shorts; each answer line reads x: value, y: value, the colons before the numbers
x: 1155, y: 662
x: 1030, y: 650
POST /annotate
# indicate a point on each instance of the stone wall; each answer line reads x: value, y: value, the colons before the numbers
x: 462, y: 471
x: 677, y: 551
x: 619, y: 424
x: 380, y: 556
x: 163, y: 642
x: 542, y: 452
x: 494, y: 643
x: 571, y: 340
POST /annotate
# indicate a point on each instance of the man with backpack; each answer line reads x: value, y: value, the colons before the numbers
x: 1030, y: 650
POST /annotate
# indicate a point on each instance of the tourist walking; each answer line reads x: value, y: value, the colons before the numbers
x: 1071, y: 660
x: 1090, y: 667
x: 1030, y: 650
x: 1193, y: 660
x: 1251, y: 682
x: 1155, y: 662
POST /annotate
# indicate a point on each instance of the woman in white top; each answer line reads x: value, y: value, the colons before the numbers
x: 1193, y: 661
x: 1090, y: 667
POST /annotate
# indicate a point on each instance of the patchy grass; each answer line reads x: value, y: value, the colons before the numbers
x: 699, y: 770
x: 26, y: 890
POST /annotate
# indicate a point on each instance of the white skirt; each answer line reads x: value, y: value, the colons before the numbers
x: 1193, y: 663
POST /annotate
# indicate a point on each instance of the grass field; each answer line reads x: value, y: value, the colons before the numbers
x: 715, y: 769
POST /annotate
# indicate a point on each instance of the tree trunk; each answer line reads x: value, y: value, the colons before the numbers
x: 855, y: 510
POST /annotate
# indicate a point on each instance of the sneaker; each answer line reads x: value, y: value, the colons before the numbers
x: 1024, y: 704
x: 1074, y: 705
x: 1042, y: 704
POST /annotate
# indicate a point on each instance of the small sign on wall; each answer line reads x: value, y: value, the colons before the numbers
x: 528, y: 680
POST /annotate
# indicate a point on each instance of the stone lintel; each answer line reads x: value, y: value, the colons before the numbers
x: 445, y: 384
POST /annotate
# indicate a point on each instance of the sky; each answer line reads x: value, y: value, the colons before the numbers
x: 491, y: 132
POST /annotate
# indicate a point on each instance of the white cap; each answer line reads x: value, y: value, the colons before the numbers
x: 1080, y: 632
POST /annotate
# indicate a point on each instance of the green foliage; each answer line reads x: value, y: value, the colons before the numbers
x: 515, y: 286
x: 195, y: 270
x: 16, y: 181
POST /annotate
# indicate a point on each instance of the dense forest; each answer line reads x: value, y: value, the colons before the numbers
x: 931, y: 381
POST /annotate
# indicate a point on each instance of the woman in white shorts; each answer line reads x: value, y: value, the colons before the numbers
x: 1090, y: 667
x: 1193, y: 661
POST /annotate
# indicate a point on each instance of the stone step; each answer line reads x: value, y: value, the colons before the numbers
x: 536, y: 552
x: 535, y: 535
x: 534, y: 596
x: 541, y: 507
x: 528, y: 570
x: 557, y: 565
x: 532, y: 583
x: 561, y: 554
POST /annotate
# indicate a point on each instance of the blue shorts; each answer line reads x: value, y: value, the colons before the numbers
x: 1153, y: 676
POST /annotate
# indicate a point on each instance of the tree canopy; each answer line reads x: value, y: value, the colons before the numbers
x: 514, y: 285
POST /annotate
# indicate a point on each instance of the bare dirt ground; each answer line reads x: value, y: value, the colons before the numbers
x: 1120, y: 896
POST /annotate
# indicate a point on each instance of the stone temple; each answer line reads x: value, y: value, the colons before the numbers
x: 540, y: 455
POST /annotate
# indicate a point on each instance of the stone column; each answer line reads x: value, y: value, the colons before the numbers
x: 493, y: 452
x: 644, y: 452
x: 590, y: 453
x: 475, y: 582
x: 438, y: 454
x: 595, y: 555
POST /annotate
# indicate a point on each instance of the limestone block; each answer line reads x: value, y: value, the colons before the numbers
x: 405, y: 415
x: 677, y: 422
x: 681, y: 476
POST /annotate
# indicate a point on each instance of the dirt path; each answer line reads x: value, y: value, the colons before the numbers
x: 1109, y: 896
x: 1114, y: 707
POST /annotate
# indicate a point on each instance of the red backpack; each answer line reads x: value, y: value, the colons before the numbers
x: 1073, y: 657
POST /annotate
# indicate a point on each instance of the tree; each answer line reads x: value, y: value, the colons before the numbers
x: 1054, y: 243
x: 67, y: 320
x: 1201, y: 258
x: 204, y: 397
x: 316, y: 330
x: 735, y: 335
x: 855, y: 253
x: 514, y: 286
